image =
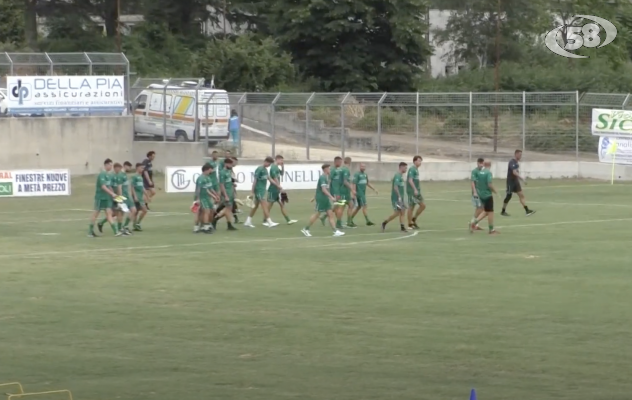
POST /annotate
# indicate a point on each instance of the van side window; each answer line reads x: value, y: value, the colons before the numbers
x: 141, y: 102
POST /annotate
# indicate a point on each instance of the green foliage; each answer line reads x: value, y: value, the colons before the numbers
x: 562, y: 140
x: 11, y: 22
x: 245, y: 63
x: 362, y: 45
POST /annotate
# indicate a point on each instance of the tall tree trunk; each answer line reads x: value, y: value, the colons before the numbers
x: 110, y: 17
x: 30, y: 23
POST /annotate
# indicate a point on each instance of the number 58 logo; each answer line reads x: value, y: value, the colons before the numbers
x: 576, y: 37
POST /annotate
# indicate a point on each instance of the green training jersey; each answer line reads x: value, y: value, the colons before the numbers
x: 413, y: 173
x: 205, y: 184
x: 474, y: 177
x: 115, y: 178
x: 335, y: 179
x: 226, y: 180
x: 323, y: 182
x: 138, y: 187
x: 220, y: 166
x: 482, y: 184
x: 123, y: 181
x: 104, y: 178
x: 360, y: 179
x: 345, y: 177
x: 397, y: 182
x: 275, y: 173
x: 199, y: 183
x: 261, y: 179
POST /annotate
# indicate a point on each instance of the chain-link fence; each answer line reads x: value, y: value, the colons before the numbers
x: 64, y: 64
x: 374, y: 126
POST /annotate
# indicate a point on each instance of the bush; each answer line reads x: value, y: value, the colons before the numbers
x: 393, y: 121
x: 457, y: 128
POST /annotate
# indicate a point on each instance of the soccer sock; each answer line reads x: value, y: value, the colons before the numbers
x: 366, y: 217
x: 230, y: 225
x: 126, y: 223
x: 526, y: 209
x: 287, y: 219
x: 103, y: 221
x: 91, y: 229
x: 491, y: 228
x: 402, y: 226
x: 119, y: 225
x: 414, y: 220
x: 504, y: 208
x: 114, y: 228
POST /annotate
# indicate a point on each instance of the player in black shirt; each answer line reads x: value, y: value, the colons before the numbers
x: 148, y: 176
x: 513, y: 184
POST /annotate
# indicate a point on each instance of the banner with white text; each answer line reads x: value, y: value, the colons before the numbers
x: 65, y: 94
x: 295, y: 177
x: 34, y: 183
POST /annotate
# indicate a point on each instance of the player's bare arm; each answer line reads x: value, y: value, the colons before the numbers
x: 146, y: 175
x: 411, y: 182
x: 368, y: 184
x: 326, y: 191
x: 474, y: 192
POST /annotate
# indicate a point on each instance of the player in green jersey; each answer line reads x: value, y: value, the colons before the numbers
x: 323, y: 200
x: 221, y: 162
x: 126, y: 192
x: 476, y: 201
x: 347, y: 192
x: 259, y: 184
x: 103, y: 199
x: 204, y: 194
x: 214, y: 160
x: 361, y: 182
x: 413, y: 189
x: 486, y: 191
x: 138, y: 194
x: 276, y: 194
x: 335, y: 184
x: 227, y: 195
x: 115, y: 180
x: 397, y: 198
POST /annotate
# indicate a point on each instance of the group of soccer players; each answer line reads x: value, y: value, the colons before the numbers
x: 483, y: 192
x: 122, y: 197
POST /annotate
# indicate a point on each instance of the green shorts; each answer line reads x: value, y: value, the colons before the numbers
x: 273, y: 196
x: 397, y: 205
x: 130, y: 203
x: 206, y: 204
x: 260, y: 195
x: 415, y: 200
x: 323, y: 205
x: 345, y: 195
x: 102, y: 204
x: 361, y: 200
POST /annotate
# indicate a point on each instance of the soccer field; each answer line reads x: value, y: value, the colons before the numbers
x: 541, y: 311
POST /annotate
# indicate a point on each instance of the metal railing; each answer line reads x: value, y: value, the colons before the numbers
x: 387, y: 126
x: 64, y: 64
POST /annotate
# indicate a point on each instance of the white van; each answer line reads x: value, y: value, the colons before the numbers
x: 181, y: 104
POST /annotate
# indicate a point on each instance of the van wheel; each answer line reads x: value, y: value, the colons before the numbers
x: 181, y: 136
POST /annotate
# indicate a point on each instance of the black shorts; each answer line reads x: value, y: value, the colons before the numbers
x: 147, y: 185
x: 513, y: 187
x: 488, y: 204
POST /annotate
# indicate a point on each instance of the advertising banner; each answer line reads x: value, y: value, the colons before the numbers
x: 622, y: 147
x: 34, y: 183
x: 613, y: 123
x: 65, y: 94
x: 295, y: 177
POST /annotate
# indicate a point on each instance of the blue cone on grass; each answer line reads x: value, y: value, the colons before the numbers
x: 473, y: 394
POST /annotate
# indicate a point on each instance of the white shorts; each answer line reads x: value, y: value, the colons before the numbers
x: 476, y: 202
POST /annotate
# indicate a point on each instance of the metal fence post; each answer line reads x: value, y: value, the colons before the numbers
x: 470, y: 128
x: 524, y: 121
x: 625, y: 101
x: 52, y: 65
x: 379, y: 127
x: 206, y: 119
x: 240, y: 104
x: 273, y: 123
x: 11, y: 61
x: 90, y: 65
x: 307, y: 120
x: 343, y: 136
x: 164, y: 110
x: 417, y: 124
x: 577, y: 132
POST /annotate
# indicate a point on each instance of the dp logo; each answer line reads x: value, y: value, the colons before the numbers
x: 575, y: 37
x: 21, y: 92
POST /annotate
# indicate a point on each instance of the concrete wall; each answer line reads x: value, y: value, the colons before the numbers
x: 454, y: 171
x: 82, y: 144
x: 79, y: 144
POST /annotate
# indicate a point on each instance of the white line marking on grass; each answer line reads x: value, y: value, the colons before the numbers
x: 527, y: 188
x: 547, y: 202
x: 253, y: 241
x: 40, y: 211
x: 49, y: 221
x: 364, y: 242
x: 48, y: 234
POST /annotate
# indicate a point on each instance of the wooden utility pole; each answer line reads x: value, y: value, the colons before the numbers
x: 118, y: 26
x: 497, y: 75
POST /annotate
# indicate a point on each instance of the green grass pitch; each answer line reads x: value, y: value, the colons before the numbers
x: 541, y: 311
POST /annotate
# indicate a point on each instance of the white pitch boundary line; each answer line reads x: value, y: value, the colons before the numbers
x: 547, y: 202
x: 252, y: 241
x: 154, y: 215
x: 528, y: 188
